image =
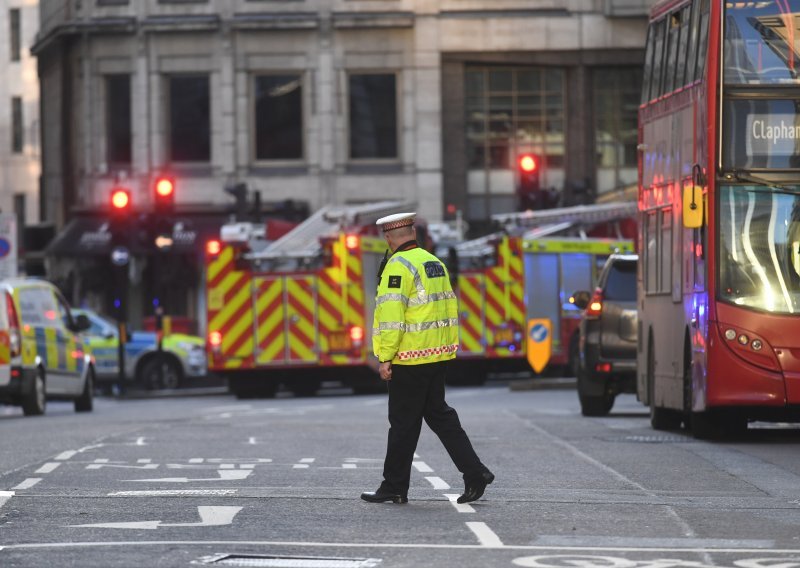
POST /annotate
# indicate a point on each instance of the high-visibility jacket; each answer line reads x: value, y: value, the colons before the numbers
x: 416, y: 311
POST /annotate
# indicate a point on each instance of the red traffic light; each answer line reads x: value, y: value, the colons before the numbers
x: 165, y: 187
x: 164, y: 195
x: 120, y: 199
x: 527, y: 163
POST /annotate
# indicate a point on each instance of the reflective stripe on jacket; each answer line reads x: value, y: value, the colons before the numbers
x: 416, y: 311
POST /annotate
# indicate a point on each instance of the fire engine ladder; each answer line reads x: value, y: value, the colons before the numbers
x: 304, y: 240
x: 538, y: 224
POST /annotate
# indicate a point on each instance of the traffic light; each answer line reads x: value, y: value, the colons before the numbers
x: 164, y: 195
x: 120, y: 201
x: 528, y: 181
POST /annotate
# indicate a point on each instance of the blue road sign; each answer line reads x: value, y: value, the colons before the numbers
x: 539, y: 333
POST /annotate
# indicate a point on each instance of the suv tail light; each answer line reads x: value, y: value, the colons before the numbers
x: 14, y: 335
x: 595, y: 307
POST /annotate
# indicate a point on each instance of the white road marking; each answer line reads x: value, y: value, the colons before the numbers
x: 48, y: 467
x: 307, y: 460
x: 174, y: 493
x: 144, y: 460
x: 485, y: 535
x: 438, y: 483
x: 348, y: 466
x: 196, y: 460
x: 66, y: 455
x: 5, y: 496
x: 28, y: 483
x: 251, y: 440
x: 303, y: 464
x: 209, y: 517
x: 224, y: 475
x: 461, y: 508
x: 122, y: 466
x: 140, y: 441
x: 390, y: 545
x: 101, y: 460
x: 416, y: 456
x: 422, y: 467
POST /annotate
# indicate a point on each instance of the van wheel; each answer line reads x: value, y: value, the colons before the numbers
x: 86, y: 401
x: 35, y: 402
x: 164, y: 374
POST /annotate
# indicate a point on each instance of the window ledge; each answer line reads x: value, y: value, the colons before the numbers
x: 367, y: 169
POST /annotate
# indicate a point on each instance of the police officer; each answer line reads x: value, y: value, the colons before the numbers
x: 415, y: 335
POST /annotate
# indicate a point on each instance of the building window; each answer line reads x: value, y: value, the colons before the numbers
x: 616, y: 105
x: 118, y: 119
x: 189, y: 118
x: 14, y: 33
x: 373, y: 116
x: 17, y: 128
x: 279, y: 117
x: 511, y: 111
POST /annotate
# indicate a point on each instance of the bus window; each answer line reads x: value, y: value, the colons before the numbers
x: 658, y: 59
x: 648, y: 65
x: 680, y: 72
x: 761, y: 43
x: 650, y: 240
x: 702, y: 45
x: 691, y: 57
x: 666, y: 251
x: 673, y: 36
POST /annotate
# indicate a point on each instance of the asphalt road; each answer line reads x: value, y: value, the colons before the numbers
x: 187, y: 481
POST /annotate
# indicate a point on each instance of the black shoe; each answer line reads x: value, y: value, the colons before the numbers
x: 473, y: 490
x: 381, y: 496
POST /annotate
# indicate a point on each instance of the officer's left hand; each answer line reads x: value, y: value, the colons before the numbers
x: 385, y: 371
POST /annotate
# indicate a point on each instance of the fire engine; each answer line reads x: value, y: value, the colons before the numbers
x: 298, y: 310
x: 529, y: 269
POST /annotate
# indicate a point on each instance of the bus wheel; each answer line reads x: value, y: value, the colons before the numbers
x: 706, y: 426
x: 660, y: 418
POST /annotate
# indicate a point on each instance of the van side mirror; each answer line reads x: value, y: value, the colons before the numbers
x: 580, y: 299
x: 693, y: 199
x: 82, y: 323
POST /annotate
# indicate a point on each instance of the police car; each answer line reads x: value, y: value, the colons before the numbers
x: 43, y: 355
x: 182, y: 355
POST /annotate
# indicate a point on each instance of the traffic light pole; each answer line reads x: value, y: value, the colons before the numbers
x: 122, y: 323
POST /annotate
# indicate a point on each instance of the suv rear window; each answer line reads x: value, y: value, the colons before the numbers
x: 621, y: 282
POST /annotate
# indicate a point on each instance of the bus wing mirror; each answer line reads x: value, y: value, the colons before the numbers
x: 693, y: 207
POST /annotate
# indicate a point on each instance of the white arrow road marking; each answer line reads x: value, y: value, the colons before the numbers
x: 422, y: 467
x: 224, y: 475
x: 209, y: 517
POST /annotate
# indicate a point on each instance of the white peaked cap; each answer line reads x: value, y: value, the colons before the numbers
x: 395, y: 221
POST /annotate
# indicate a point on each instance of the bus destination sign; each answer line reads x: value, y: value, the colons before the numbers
x: 761, y: 134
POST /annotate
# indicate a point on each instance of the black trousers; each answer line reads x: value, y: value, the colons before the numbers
x: 417, y: 392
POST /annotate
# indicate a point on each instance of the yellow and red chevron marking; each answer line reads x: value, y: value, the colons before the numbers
x: 505, y: 304
x: 230, y: 311
x: 330, y: 310
x: 355, y: 287
x: 301, y: 323
x: 471, y: 314
x: 270, y: 320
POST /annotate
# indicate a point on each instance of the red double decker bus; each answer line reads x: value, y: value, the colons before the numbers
x: 719, y: 200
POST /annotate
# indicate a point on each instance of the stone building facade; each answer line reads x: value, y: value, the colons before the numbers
x: 19, y: 112
x: 336, y: 101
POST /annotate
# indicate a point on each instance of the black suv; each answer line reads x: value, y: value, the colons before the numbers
x: 607, y: 345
